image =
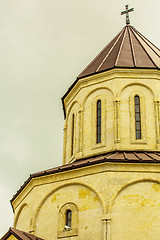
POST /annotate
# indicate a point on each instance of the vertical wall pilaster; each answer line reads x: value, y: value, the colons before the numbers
x: 64, y: 142
x: 117, y: 120
x: 157, y: 118
x: 80, y: 133
x: 106, y: 227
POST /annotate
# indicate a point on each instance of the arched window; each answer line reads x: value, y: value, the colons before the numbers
x: 68, y: 218
x: 68, y: 221
x: 72, y: 135
x: 98, y: 132
x: 137, y: 117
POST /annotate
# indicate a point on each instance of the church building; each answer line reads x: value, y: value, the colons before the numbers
x: 108, y: 187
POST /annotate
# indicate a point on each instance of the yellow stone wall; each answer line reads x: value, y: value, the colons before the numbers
x: 23, y: 213
x: 109, y: 201
x: 122, y: 198
x: 116, y: 89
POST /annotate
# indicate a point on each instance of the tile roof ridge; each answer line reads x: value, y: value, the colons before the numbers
x: 117, y: 58
x: 150, y: 156
x: 29, y: 235
x: 112, y: 155
x: 157, y: 153
x: 12, y: 231
x: 135, y: 153
x: 153, y: 62
x: 125, y: 155
x: 144, y: 38
x: 17, y: 232
x: 132, y: 47
x: 150, y: 45
x: 79, y: 76
x: 111, y: 49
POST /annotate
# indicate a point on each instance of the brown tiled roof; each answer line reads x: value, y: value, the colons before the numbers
x: 129, y: 49
x: 20, y: 235
x: 116, y: 156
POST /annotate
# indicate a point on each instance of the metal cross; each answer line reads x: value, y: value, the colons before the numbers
x: 127, y: 14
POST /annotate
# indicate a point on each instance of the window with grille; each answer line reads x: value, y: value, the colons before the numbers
x: 68, y: 218
x: 72, y: 135
x: 137, y: 117
x: 68, y: 221
x: 98, y: 132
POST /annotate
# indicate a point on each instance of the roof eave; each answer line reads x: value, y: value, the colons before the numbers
x: 96, y: 73
x: 80, y: 163
x: 74, y: 83
x: 9, y: 233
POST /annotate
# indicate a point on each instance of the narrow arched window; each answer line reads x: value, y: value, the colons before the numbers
x: 137, y: 117
x: 98, y: 132
x: 68, y: 218
x: 72, y: 135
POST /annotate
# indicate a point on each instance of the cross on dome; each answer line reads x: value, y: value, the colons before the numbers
x: 127, y: 14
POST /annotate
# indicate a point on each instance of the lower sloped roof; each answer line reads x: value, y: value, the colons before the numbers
x: 114, y: 156
x: 20, y: 235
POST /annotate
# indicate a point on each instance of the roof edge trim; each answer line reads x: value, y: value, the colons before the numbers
x: 91, y: 160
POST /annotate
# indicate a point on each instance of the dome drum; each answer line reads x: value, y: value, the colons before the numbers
x: 116, y: 89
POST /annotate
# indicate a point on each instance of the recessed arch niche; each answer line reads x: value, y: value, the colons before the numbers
x: 23, y: 218
x: 89, y: 121
x: 127, y: 117
x: 88, y: 204
x: 136, y: 212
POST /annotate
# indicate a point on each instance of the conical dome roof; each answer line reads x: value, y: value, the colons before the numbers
x: 129, y: 49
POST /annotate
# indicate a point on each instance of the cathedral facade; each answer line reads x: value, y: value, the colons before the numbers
x: 108, y: 187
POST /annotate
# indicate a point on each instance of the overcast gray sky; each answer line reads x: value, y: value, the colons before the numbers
x: 44, y: 45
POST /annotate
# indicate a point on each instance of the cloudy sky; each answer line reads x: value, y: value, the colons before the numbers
x: 44, y: 45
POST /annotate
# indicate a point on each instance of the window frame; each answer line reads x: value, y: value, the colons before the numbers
x: 138, y: 129
x: 99, y: 121
x: 63, y: 230
x: 133, y: 139
x: 72, y: 134
x: 94, y: 143
x: 68, y: 218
